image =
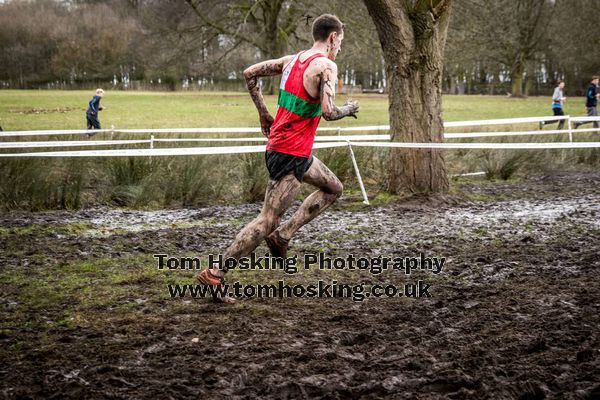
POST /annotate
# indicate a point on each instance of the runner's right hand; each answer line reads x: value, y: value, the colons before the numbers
x: 265, y: 123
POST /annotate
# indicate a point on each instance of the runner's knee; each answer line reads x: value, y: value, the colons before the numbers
x: 336, y: 188
x: 267, y: 222
x: 271, y: 224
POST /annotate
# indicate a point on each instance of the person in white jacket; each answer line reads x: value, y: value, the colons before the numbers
x: 558, y: 99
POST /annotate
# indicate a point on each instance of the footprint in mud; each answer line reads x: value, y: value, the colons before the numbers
x: 351, y: 339
x: 533, y: 391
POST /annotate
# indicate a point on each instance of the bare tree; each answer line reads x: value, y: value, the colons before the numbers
x: 26, y: 40
x: 508, y: 32
x: 361, y: 58
x: 574, y: 46
x: 268, y: 25
x: 83, y: 38
x: 413, y: 35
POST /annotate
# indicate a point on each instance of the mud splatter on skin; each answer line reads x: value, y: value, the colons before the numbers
x: 280, y: 195
x: 331, y: 112
x: 266, y: 120
x: 330, y: 189
x: 267, y: 68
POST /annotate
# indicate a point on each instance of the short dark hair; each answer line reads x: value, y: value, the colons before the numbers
x: 324, y: 25
x: 593, y: 77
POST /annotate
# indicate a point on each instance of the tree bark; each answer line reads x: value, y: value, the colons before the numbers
x: 517, y: 76
x: 274, y: 43
x: 413, y: 34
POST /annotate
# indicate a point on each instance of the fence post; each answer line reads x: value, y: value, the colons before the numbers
x: 112, y: 131
x: 570, y: 129
x: 339, y: 131
x: 151, y: 141
x: 360, y: 182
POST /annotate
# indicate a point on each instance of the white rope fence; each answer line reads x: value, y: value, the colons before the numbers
x: 89, y: 143
x: 176, y: 151
x: 369, y: 128
x: 503, y: 146
x: 184, y: 151
x: 71, y: 143
x: 339, y: 130
x: 85, y: 143
x: 261, y: 149
x: 321, y: 142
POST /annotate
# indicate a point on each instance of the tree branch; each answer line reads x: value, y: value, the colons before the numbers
x: 218, y: 27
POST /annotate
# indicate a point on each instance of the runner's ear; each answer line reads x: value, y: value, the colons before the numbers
x: 332, y: 36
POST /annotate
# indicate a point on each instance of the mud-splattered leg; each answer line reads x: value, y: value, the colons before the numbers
x: 279, y: 196
x: 330, y: 189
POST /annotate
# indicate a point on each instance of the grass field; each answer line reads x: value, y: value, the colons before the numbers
x: 31, y: 110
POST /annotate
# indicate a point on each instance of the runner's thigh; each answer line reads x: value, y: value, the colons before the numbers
x: 280, y: 194
x: 320, y: 176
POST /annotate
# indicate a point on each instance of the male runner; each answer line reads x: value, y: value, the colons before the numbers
x: 307, y: 91
x: 591, y: 102
x: 558, y: 99
x: 91, y: 113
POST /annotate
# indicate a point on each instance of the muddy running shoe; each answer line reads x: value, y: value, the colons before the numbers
x: 208, y: 278
x: 277, y: 244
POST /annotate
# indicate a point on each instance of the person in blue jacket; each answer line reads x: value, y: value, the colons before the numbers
x: 591, y: 101
x: 92, y: 111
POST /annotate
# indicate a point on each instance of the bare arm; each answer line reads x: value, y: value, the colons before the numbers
x: 252, y: 73
x: 329, y: 110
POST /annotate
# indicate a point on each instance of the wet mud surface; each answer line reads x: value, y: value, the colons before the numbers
x: 515, y: 312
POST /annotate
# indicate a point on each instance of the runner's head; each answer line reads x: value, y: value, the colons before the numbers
x: 329, y: 29
x: 99, y: 92
x: 594, y: 78
x: 561, y: 84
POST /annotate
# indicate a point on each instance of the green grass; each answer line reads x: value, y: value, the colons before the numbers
x: 82, y: 288
x: 153, y: 110
x: 66, y: 109
x: 465, y: 108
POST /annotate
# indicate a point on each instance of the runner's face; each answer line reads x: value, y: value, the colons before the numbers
x: 335, y: 44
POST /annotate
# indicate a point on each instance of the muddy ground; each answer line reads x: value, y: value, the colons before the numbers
x: 515, y: 312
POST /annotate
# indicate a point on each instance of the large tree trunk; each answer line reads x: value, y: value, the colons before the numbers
x: 516, y: 77
x: 413, y: 36
x: 274, y: 43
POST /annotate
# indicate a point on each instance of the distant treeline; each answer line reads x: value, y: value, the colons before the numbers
x: 518, y: 47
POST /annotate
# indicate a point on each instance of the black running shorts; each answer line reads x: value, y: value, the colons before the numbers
x: 281, y: 164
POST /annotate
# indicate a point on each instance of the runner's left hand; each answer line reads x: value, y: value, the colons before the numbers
x: 353, y: 108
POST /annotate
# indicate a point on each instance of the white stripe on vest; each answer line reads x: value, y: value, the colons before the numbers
x: 287, y: 70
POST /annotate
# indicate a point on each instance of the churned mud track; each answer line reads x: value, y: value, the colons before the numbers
x: 515, y: 313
